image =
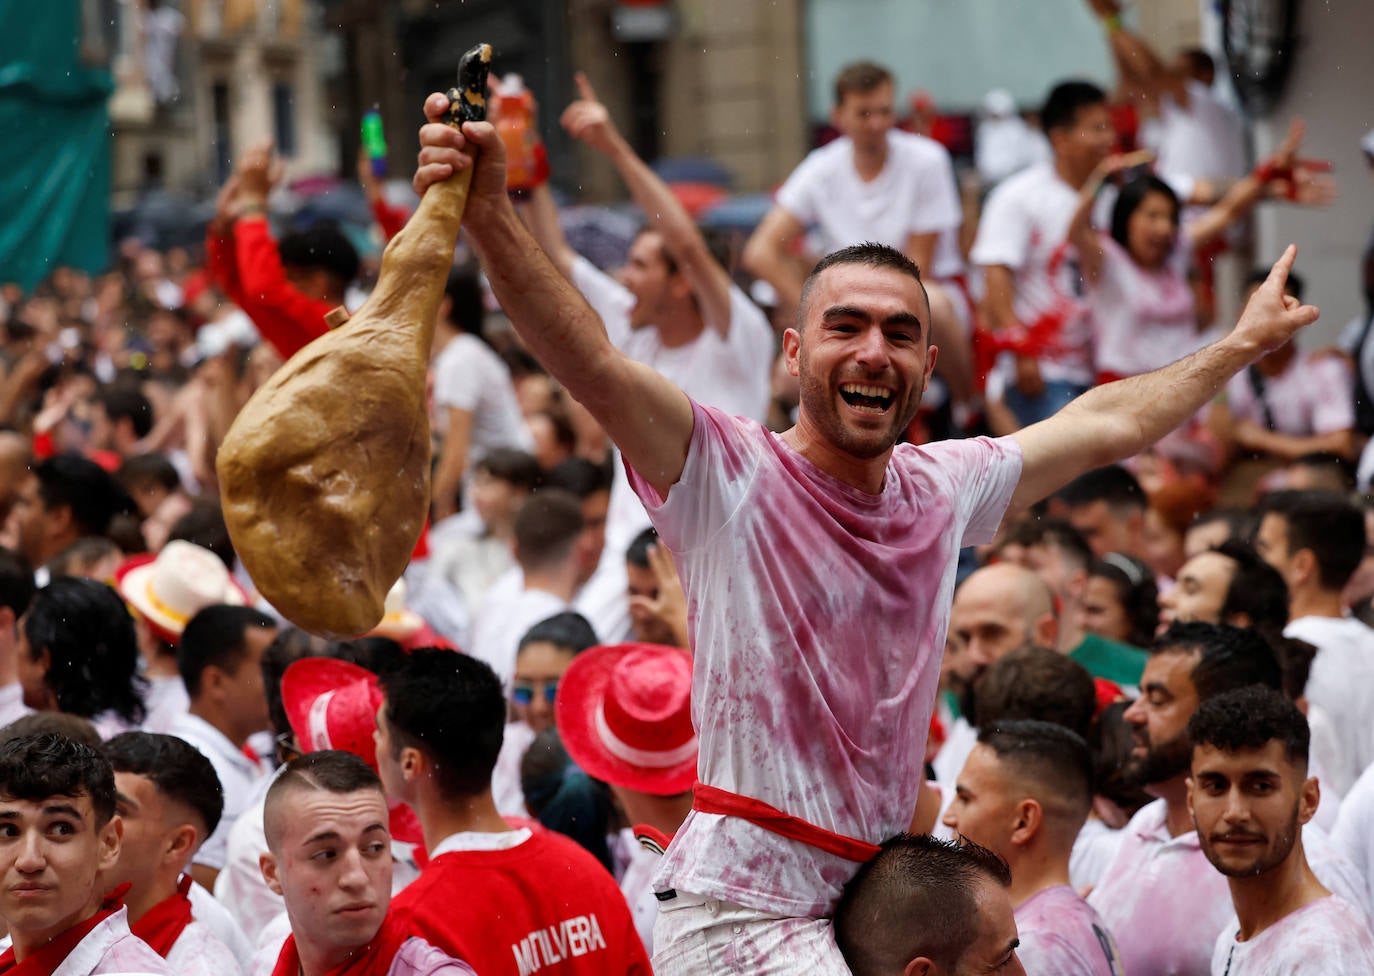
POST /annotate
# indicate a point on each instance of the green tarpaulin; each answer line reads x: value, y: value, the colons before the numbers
x: 54, y: 144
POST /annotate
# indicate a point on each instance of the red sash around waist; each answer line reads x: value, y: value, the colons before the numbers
x: 709, y: 799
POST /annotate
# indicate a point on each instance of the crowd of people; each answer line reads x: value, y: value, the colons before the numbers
x: 980, y: 604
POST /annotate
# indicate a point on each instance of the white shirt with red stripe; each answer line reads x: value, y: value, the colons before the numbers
x: 818, y: 615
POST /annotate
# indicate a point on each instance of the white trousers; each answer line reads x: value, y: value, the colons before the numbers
x: 696, y: 936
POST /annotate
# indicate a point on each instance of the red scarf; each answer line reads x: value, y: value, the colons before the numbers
x: 161, y: 925
x: 42, y: 962
x: 373, y: 959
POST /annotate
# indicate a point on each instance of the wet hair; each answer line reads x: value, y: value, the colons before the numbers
x: 1250, y: 718
x: 464, y: 292
x: 328, y: 770
x: 1256, y: 590
x: 36, y: 767
x: 153, y: 469
x: 321, y: 247
x: 217, y: 637
x: 451, y: 707
x: 519, y: 469
x: 1296, y: 285
x: 917, y: 897
x: 178, y: 770
x: 869, y: 255
x: 85, y: 488
x: 72, y: 727
x: 1136, y: 591
x: 568, y: 631
x: 547, y: 527
x: 1129, y: 200
x: 565, y: 799
x: 1035, y: 683
x: 860, y: 78
x: 204, y: 525
x: 1112, y: 484
x: 579, y: 477
x: 92, y: 649
x: 1065, y: 100
x: 638, y: 552
x: 16, y: 582
x: 1328, y: 524
x: 121, y: 403
x: 1053, y: 758
x: 1229, y: 657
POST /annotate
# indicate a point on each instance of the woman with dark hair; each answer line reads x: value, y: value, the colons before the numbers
x: 78, y: 654
x: 1121, y: 600
x: 1137, y: 276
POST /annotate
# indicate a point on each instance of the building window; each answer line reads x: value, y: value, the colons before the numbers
x: 284, y: 112
x: 223, y: 140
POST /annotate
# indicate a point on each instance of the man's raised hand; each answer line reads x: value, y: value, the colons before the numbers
x: 1272, y: 316
x: 587, y: 120
x: 445, y: 150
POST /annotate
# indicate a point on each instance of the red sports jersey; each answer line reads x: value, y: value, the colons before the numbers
x: 545, y: 906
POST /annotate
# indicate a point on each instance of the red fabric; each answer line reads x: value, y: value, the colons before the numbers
x: 161, y: 925
x: 546, y: 902
x: 42, y: 962
x: 390, y: 219
x: 1038, y: 339
x: 44, y: 446
x: 709, y: 799
x: 373, y: 959
x: 286, y: 317
x: 222, y: 265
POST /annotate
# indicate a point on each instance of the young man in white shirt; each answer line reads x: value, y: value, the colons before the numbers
x: 804, y: 552
x: 1249, y: 794
x: 59, y: 835
x: 874, y: 183
x: 1028, y: 280
x: 1025, y: 793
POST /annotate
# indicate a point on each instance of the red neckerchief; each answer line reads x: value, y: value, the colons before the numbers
x: 373, y: 959
x: 161, y: 925
x: 42, y: 962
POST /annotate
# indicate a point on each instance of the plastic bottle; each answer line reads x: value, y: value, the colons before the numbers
x: 374, y: 142
x: 515, y: 126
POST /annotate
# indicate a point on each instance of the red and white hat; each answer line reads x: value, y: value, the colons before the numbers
x: 168, y: 589
x: 624, y: 714
x: 332, y: 704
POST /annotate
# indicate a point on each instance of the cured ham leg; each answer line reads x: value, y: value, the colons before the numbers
x: 324, y: 475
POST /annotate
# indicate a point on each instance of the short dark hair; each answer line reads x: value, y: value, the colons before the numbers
x: 1328, y: 524
x: 1329, y: 465
x: 16, y: 582
x: 859, y: 78
x: 215, y: 637
x: 1295, y: 286
x: 122, y: 403
x: 36, y: 767
x: 328, y: 770
x: 451, y: 707
x: 547, y: 527
x: 1241, y: 523
x: 77, y: 558
x: 148, y: 469
x: 1111, y: 741
x: 92, y: 648
x: 869, y: 255
x: 204, y: 525
x: 568, y: 630
x: 1229, y: 657
x: 178, y: 770
x: 72, y: 727
x: 90, y: 492
x: 1136, y: 591
x: 1053, y: 758
x: 1199, y: 62
x: 1112, y: 484
x: 1250, y: 718
x: 1035, y: 683
x: 1129, y: 199
x: 1064, y: 101
x: 1256, y: 589
x: 1295, y: 661
x: 322, y: 247
x: 917, y: 897
x: 1064, y: 537
x: 579, y: 477
x: 464, y: 292
x: 638, y: 552
x: 519, y: 469
x: 289, y: 646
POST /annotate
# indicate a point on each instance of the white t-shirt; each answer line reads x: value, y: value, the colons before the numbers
x: 469, y: 376
x: 1314, y: 395
x: 915, y: 193
x: 501, y: 623
x: 1341, y: 682
x: 1024, y: 223
x: 197, y: 952
x: 818, y: 615
x: 1093, y: 850
x: 1142, y: 319
x: 1061, y: 935
x: 1206, y: 140
x: 1353, y: 834
x: 1327, y: 936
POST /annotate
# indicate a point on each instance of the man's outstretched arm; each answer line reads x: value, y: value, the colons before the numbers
x: 648, y: 417
x: 1121, y: 419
